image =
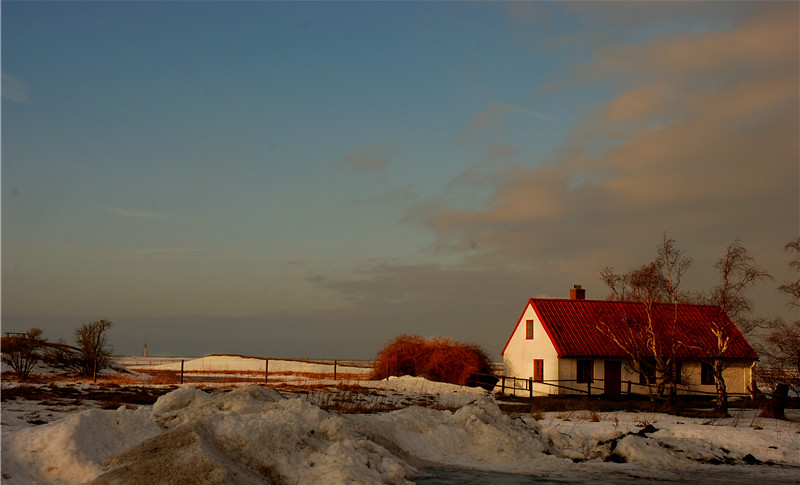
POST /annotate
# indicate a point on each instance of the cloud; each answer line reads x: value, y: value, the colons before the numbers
x: 706, y: 151
x: 370, y: 159
x: 14, y: 89
x: 495, y: 114
x: 700, y: 140
x: 133, y: 213
x: 164, y: 250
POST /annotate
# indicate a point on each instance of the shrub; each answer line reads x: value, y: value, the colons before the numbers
x: 23, y: 352
x: 91, y: 354
x: 439, y: 359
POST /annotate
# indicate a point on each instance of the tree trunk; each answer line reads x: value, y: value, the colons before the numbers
x: 674, y: 381
x: 721, y: 406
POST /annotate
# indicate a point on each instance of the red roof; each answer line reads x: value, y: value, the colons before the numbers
x: 574, y: 327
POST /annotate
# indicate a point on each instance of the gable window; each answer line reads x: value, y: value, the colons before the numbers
x: 706, y: 374
x: 585, y: 370
x: 529, y: 330
x: 538, y: 370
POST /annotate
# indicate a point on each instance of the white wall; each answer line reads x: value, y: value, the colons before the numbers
x: 520, y: 353
x: 737, y: 375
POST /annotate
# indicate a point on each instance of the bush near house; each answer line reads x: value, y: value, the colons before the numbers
x: 438, y: 359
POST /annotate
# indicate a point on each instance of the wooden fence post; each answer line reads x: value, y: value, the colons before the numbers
x: 181, y: 371
x: 589, y: 387
x: 335, y: 363
x: 503, y: 386
x: 266, y: 371
x: 530, y: 387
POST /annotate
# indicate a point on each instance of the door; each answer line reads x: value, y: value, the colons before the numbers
x: 613, y: 378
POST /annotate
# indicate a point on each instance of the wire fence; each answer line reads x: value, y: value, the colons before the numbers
x: 177, y: 370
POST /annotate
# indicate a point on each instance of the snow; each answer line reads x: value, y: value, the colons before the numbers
x: 73, y: 449
x: 435, y: 434
x: 252, y: 434
x: 243, y: 363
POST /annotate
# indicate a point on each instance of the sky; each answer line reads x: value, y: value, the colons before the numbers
x: 310, y: 179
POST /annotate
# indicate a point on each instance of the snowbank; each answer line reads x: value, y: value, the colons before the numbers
x: 73, y: 449
x: 253, y: 435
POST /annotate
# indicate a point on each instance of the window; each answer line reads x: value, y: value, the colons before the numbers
x: 529, y: 330
x: 585, y: 371
x: 706, y: 374
x: 538, y: 370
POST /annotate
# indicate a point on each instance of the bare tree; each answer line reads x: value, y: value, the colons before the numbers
x: 792, y: 288
x: 651, y: 346
x: 94, y: 354
x: 23, y: 352
x: 784, y: 340
x: 738, y: 272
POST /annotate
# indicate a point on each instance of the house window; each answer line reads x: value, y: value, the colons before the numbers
x: 706, y: 374
x: 538, y: 370
x: 529, y: 330
x: 585, y: 371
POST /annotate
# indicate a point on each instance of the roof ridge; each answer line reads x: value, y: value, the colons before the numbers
x: 627, y: 302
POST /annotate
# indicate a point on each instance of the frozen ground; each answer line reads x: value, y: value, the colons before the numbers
x: 442, y: 434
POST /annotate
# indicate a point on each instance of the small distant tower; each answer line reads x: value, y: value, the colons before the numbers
x: 144, y: 350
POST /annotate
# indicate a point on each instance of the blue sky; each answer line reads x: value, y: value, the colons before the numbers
x: 312, y: 179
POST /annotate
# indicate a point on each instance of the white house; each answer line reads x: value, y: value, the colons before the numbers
x: 563, y: 346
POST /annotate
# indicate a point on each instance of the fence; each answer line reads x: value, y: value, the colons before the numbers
x: 595, y: 387
x: 220, y: 368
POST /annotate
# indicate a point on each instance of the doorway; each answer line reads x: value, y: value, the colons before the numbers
x: 613, y: 379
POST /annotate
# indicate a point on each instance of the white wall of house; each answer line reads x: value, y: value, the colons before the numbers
x: 738, y: 378
x: 520, y: 353
x: 738, y: 375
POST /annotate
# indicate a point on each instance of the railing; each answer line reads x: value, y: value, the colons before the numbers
x: 547, y: 387
x: 596, y: 387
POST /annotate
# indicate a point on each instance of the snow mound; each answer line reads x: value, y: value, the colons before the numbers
x: 73, y: 449
x: 253, y: 435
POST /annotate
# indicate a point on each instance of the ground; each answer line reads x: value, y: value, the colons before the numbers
x: 304, y: 426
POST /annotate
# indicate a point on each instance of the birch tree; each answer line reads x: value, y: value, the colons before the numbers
x: 738, y: 271
x: 651, y: 346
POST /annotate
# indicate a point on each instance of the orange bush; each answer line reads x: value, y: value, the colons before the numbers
x: 439, y: 359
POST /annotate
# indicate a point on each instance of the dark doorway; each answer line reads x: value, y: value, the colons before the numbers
x: 613, y: 378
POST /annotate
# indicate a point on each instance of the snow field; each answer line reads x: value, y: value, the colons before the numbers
x: 253, y: 364
x: 254, y: 435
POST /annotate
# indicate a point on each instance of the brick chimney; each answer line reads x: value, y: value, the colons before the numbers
x: 577, y: 293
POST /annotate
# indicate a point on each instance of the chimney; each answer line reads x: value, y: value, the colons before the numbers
x: 577, y: 293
